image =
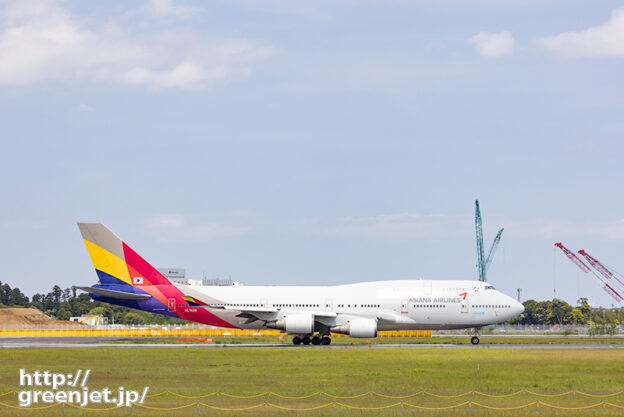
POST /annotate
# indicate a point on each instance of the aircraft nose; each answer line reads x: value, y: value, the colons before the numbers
x: 518, y: 308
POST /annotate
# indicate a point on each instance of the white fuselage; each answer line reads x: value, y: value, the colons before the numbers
x: 394, y: 305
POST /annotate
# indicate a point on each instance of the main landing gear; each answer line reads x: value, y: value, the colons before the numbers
x: 315, y: 340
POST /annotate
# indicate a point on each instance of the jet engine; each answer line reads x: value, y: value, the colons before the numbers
x: 294, y: 324
x: 358, y: 328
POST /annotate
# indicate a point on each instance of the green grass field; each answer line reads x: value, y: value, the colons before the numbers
x: 343, y: 372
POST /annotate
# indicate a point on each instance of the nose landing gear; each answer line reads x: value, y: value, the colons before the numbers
x: 475, y: 336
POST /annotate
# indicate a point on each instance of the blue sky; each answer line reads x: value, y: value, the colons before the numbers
x: 315, y: 142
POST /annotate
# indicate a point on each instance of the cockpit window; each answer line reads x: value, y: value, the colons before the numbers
x: 489, y: 287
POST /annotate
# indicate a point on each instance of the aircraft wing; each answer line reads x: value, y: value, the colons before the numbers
x: 329, y: 314
x: 250, y: 313
x: 252, y: 310
x: 244, y: 309
x: 392, y: 317
x: 269, y: 313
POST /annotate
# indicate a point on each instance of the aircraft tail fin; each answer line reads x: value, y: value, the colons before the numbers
x: 115, y: 262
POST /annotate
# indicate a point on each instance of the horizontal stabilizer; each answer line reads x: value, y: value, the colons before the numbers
x: 120, y: 295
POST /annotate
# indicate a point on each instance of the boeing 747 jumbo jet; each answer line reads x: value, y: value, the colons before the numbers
x: 309, y: 313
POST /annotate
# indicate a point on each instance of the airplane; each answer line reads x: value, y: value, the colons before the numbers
x: 309, y: 313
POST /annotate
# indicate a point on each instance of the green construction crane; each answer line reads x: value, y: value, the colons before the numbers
x: 482, y: 264
x: 490, y: 256
x: 480, y: 257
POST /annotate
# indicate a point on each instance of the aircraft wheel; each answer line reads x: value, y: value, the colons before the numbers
x: 474, y: 340
x: 325, y: 341
x: 316, y: 340
x: 305, y: 340
x: 296, y: 340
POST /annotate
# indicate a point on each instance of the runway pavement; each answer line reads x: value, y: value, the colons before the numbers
x: 99, y: 342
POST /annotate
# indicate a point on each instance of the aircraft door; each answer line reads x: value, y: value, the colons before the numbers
x: 171, y: 304
x: 464, y: 306
x: 329, y: 304
x: 404, y: 307
x: 263, y: 302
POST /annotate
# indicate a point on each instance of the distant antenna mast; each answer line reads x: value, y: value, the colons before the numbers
x: 480, y: 256
x: 519, y: 291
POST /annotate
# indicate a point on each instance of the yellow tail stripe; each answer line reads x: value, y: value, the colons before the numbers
x: 107, y: 262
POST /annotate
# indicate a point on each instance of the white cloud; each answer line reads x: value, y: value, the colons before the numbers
x: 560, y: 229
x: 26, y: 225
x: 164, y: 9
x: 168, y: 8
x: 492, y: 45
x: 604, y: 40
x: 40, y: 40
x: 184, y: 75
x: 84, y: 108
x: 398, y: 225
x: 430, y: 226
x: 175, y: 227
x: 166, y: 221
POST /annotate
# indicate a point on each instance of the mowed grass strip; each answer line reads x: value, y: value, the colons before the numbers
x: 343, y: 372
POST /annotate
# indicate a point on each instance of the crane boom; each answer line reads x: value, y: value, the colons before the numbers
x: 606, y: 287
x: 573, y: 258
x: 600, y: 267
x: 479, y: 229
x: 493, y: 248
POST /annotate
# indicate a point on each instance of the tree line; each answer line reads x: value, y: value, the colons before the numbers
x: 65, y: 303
x: 560, y: 312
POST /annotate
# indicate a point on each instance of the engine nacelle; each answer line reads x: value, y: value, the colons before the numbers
x: 358, y: 328
x: 294, y: 323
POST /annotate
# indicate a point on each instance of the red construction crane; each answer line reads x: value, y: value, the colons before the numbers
x: 613, y: 293
x: 606, y: 272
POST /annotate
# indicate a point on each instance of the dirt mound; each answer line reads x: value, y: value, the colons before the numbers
x: 28, y: 317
